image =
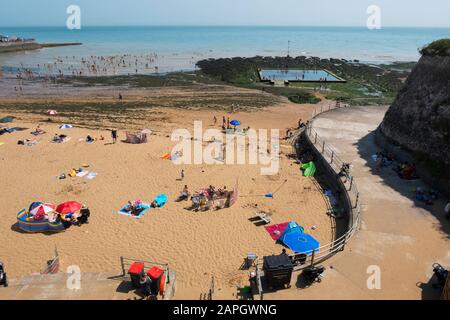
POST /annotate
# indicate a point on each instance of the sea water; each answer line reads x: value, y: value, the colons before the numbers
x: 166, y: 49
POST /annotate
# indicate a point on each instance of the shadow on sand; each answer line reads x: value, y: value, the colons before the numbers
x: 366, y: 147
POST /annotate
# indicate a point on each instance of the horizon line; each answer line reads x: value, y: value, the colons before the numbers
x: 227, y: 26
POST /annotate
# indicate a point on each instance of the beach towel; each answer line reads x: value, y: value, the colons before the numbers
x: 2, y: 143
x: 91, y: 175
x: 38, y: 133
x: 124, y: 211
x: 81, y: 174
x: 276, y: 230
x: 61, y: 141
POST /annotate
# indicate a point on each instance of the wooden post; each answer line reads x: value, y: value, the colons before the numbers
x: 168, y: 274
x: 123, y: 266
x: 315, y: 139
x: 351, y: 183
x: 332, y: 156
x: 323, y: 146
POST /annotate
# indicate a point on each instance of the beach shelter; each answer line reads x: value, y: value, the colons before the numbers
x: 309, y: 169
x: 27, y: 224
x: 65, y: 126
x: 297, y: 241
x: 68, y: 207
x: 52, y: 112
x: 136, y: 138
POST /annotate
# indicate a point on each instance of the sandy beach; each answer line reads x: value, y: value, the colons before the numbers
x: 195, y: 244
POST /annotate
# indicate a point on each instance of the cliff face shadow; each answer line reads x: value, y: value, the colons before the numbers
x: 367, y: 147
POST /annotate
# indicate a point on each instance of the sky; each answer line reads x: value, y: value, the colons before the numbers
x: 397, y: 13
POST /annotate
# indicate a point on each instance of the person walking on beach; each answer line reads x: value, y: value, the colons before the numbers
x: 182, y: 174
x: 120, y: 97
x: 114, y: 135
x: 228, y: 123
x: 215, y: 120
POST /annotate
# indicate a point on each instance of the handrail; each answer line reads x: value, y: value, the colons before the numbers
x: 351, y: 194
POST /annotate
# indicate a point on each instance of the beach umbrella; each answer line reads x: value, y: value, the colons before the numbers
x: 235, y: 123
x: 67, y: 207
x: 300, y: 242
x: 43, y: 208
x: 34, y: 205
x: 52, y: 112
x: 65, y: 126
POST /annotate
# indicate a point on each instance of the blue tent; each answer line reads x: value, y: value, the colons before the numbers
x: 297, y: 241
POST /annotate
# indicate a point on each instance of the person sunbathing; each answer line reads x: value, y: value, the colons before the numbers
x: 59, y: 138
x: 38, y: 131
x: 222, y: 192
x: 89, y: 139
x: 184, y: 195
x: 52, y: 217
x: 133, y: 209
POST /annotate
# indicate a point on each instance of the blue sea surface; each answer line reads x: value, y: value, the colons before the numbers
x: 180, y: 47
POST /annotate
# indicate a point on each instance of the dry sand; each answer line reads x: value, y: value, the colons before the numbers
x: 195, y: 244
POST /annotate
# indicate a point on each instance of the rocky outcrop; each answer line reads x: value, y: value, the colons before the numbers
x: 419, y: 118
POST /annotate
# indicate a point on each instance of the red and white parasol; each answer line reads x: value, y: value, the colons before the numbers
x: 42, y: 209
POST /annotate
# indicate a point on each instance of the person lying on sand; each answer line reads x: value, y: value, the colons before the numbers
x: 59, y: 138
x: 134, y: 208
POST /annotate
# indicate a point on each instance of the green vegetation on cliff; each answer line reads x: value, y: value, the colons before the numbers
x: 437, y: 48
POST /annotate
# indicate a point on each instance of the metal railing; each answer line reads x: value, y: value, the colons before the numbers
x: 343, y: 179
